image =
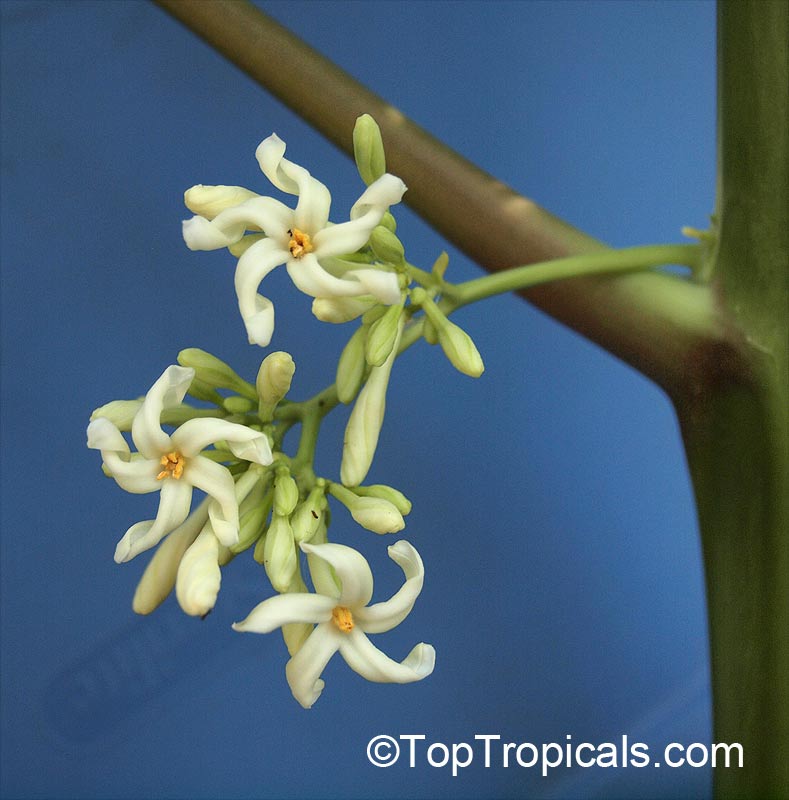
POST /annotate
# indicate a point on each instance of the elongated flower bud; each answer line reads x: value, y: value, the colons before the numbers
x: 279, y: 553
x: 273, y: 382
x: 350, y: 367
x: 340, y: 309
x: 382, y: 336
x: 455, y: 342
x: 286, y: 493
x: 396, y: 498
x: 368, y: 149
x: 373, y: 513
x: 199, y: 575
x: 364, y: 425
x: 208, y: 201
x: 386, y: 247
x: 214, y: 372
x: 307, y: 516
x: 159, y: 577
x: 119, y: 412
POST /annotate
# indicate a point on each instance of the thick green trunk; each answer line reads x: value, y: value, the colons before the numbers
x: 734, y: 415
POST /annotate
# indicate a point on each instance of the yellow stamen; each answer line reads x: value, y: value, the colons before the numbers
x: 342, y: 618
x: 173, y: 464
x: 299, y: 244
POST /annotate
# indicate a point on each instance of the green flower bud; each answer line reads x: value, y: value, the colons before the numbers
x: 238, y: 405
x: 340, y: 309
x: 389, y: 222
x: 202, y: 391
x: 286, y: 493
x: 386, y: 247
x: 368, y: 149
x: 279, y: 553
x: 455, y: 342
x: 350, y: 367
x: 120, y: 413
x: 382, y: 335
x: 396, y: 498
x: 273, y: 382
x: 307, y: 516
x: 208, y: 201
x: 373, y: 513
x: 429, y: 332
x: 367, y: 417
x: 252, y: 521
x: 214, y: 372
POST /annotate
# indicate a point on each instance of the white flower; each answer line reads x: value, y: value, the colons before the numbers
x: 171, y: 464
x: 301, y: 238
x: 342, y: 618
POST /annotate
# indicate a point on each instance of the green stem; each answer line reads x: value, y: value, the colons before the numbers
x: 734, y: 418
x: 608, y: 262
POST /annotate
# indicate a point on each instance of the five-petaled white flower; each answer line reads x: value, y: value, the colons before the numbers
x: 342, y: 618
x: 302, y: 238
x: 171, y: 464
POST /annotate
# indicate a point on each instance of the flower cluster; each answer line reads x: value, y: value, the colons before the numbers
x: 258, y: 497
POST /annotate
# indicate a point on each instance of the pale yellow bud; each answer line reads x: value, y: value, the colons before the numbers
x: 395, y: 497
x: 373, y: 513
x: 208, y: 201
x: 351, y: 366
x: 386, y: 246
x: 119, y: 412
x: 286, y: 493
x: 340, y: 309
x: 214, y: 372
x: 199, y: 575
x: 159, y: 577
x: 273, y: 382
x: 364, y: 425
x: 279, y: 553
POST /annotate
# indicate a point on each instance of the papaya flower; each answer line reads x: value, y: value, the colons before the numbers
x: 301, y: 238
x: 342, y: 617
x: 172, y: 465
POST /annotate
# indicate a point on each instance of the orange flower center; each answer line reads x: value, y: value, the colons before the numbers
x: 299, y: 244
x: 172, y: 466
x: 342, y: 618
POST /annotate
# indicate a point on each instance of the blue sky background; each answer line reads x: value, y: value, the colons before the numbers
x: 552, y: 505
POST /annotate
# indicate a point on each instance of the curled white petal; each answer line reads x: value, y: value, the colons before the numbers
x: 196, y: 434
x: 216, y: 481
x: 351, y: 568
x: 312, y: 210
x: 387, y: 191
x: 104, y: 435
x: 382, y: 617
x: 303, y: 671
x: 174, y: 502
x: 284, y: 609
x: 257, y: 311
x: 137, y: 476
x: 168, y: 391
x: 364, y: 657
